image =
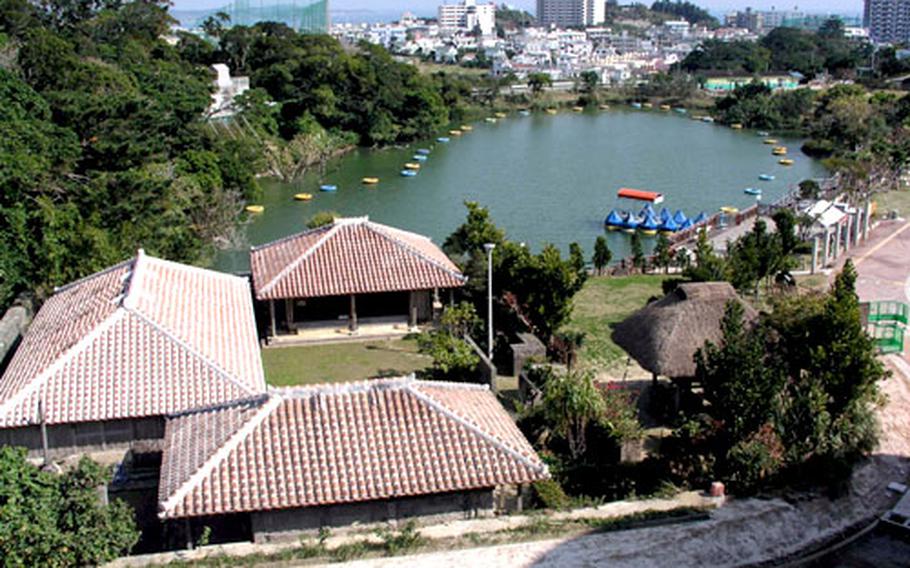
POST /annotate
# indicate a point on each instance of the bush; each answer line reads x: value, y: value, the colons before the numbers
x: 548, y: 494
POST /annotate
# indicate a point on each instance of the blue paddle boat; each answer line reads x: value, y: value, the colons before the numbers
x: 752, y: 191
x: 766, y: 177
x: 419, y: 157
x: 328, y: 187
x: 423, y: 151
x: 679, y: 217
x: 408, y: 173
x: 442, y: 139
x: 648, y: 225
x: 630, y: 223
x: 700, y: 219
x: 614, y: 221
x: 668, y: 226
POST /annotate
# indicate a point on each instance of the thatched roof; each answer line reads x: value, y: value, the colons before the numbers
x: 664, y: 335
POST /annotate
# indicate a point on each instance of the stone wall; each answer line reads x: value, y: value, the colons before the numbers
x: 81, y: 437
x: 289, y: 524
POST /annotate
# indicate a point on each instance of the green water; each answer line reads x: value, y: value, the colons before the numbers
x: 544, y: 178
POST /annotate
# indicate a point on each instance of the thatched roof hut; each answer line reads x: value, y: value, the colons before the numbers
x: 664, y: 335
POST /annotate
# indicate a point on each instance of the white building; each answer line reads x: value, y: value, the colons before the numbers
x: 226, y: 88
x: 570, y: 13
x: 468, y: 15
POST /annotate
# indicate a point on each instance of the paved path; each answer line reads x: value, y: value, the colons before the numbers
x: 883, y: 263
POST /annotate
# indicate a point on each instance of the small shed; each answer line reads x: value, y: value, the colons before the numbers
x: 664, y: 335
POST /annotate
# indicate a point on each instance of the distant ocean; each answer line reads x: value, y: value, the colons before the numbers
x: 191, y: 18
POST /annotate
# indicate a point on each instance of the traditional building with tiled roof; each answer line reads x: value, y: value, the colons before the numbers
x: 330, y: 455
x: 108, y: 356
x: 354, y: 270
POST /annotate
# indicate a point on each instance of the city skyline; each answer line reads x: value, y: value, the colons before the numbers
x: 428, y: 7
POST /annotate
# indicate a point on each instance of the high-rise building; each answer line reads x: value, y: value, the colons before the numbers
x: 570, y: 13
x: 889, y: 20
x: 468, y: 15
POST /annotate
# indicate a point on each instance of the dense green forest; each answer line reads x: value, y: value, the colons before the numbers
x: 105, y: 146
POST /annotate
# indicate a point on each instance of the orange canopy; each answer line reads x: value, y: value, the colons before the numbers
x: 640, y: 194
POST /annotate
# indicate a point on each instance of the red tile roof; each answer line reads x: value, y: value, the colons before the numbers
x: 146, y: 337
x: 350, y: 256
x: 340, y: 444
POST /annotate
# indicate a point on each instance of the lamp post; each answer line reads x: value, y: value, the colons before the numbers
x: 489, y: 248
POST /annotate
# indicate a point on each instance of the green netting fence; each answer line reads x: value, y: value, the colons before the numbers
x: 888, y: 337
x: 895, y: 312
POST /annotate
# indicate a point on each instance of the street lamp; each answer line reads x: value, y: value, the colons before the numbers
x: 489, y: 248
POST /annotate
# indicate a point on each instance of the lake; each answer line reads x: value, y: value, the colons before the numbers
x: 545, y: 178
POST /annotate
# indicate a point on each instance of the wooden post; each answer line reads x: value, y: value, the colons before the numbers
x: 412, y: 309
x: 289, y: 313
x: 814, y: 255
x: 44, y: 445
x: 272, y: 317
x: 352, y: 316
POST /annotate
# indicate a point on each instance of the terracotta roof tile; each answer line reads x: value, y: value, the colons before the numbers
x: 341, y: 444
x: 146, y: 337
x: 351, y: 256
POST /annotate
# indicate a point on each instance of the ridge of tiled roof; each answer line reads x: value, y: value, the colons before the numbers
x: 101, y: 307
x: 276, y: 264
x: 198, y: 473
x: 300, y: 259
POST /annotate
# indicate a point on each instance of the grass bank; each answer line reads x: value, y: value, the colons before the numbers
x: 603, y: 302
x: 312, y: 364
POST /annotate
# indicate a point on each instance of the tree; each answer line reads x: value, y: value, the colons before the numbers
x: 453, y: 357
x: 321, y: 219
x: 537, y: 81
x: 708, y: 266
x: 571, y: 403
x: 589, y: 81
x: 638, y: 254
x: 602, y: 255
x: 662, y: 256
x: 59, y: 520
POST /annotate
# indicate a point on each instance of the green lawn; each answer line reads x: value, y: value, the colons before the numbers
x: 311, y: 364
x: 887, y: 202
x: 604, y: 301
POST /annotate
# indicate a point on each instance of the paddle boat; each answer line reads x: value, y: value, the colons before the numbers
x: 779, y: 151
x: 419, y: 157
x: 636, y: 105
x: 408, y: 173
x: 442, y: 139
x: 668, y: 226
x: 647, y: 105
x: 724, y: 213
x: 648, y: 225
x: 664, y: 215
x: 680, y: 218
x: 769, y: 141
x: 328, y: 187
x: 551, y: 111
x: 578, y: 109
x: 685, y: 225
x: 630, y: 223
x: 370, y: 180
x: 708, y: 119
x: 455, y: 132
x: 665, y: 107
x: 763, y: 134
x: 648, y: 209
x: 700, y: 219
x: 412, y: 166
x: 766, y: 177
x: 752, y: 191
x: 423, y: 151
x: 614, y: 221
x: 500, y: 115
x: 466, y: 128
x: 785, y: 162
x: 524, y: 112
x: 680, y: 110
x: 303, y: 196
x: 254, y: 208
x: 729, y: 210
x: 490, y: 119
x: 736, y: 126
x: 604, y: 107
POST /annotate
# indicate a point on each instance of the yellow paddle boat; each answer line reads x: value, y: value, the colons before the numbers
x: 729, y: 210
x: 254, y: 208
x: 736, y: 126
x: 769, y: 141
x: 466, y: 128
x: 647, y: 105
x: 779, y: 151
x: 412, y: 166
x: 785, y: 162
x: 370, y: 180
x: 664, y: 107
x: 500, y: 115
x: 455, y: 132
x: 303, y: 196
x: 578, y: 109
x: 551, y: 111
x: 604, y: 107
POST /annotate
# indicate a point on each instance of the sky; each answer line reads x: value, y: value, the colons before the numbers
x: 428, y: 7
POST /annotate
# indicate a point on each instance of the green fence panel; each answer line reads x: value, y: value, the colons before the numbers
x: 889, y: 338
